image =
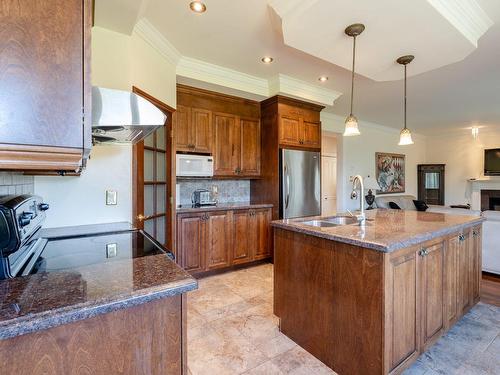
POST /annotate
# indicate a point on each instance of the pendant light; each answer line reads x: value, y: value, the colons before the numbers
x: 405, y: 136
x: 351, y: 122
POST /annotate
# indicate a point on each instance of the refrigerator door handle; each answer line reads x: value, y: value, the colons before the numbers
x: 287, y: 178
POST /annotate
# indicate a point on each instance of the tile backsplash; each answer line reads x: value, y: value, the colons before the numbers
x: 229, y: 190
x: 16, y: 183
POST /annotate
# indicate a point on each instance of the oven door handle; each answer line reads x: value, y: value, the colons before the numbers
x: 36, y: 249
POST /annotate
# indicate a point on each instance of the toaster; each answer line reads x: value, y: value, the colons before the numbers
x: 202, y: 197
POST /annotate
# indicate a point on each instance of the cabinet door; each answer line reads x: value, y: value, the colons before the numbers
x: 45, y: 84
x: 227, y: 145
x: 202, y: 129
x: 464, y: 274
x: 311, y: 134
x: 244, y: 236
x: 476, y: 264
x: 250, y: 147
x: 289, y: 131
x: 402, y: 320
x: 219, y: 239
x: 191, y: 240
x: 184, y: 135
x: 432, y: 291
x: 451, y: 280
x: 262, y: 219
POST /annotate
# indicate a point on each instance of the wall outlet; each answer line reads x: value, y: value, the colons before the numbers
x: 111, y: 250
x: 111, y: 197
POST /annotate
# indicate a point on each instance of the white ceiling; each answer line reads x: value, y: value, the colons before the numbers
x: 236, y: 34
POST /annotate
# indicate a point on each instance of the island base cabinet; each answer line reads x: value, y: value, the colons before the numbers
x: 330, y: 297
x: 145, y: 339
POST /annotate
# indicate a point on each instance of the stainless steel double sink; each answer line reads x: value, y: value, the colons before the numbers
x: 333, y: 221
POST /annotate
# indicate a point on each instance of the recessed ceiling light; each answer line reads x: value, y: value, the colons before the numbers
x: 323, y: 79
x: 267, y: 60
x: 197, y: 6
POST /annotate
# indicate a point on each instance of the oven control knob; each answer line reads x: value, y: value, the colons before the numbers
x: 43, y: 206
x: 24, y: 220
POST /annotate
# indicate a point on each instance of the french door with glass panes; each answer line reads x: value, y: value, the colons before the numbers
x: 152, y: 175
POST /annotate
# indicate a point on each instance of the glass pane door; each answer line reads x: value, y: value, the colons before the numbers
x: 155, y: 185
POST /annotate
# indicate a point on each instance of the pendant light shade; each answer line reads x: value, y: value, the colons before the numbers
x: 351, y: 122
x: 405, y: 136
x: 351, y: 126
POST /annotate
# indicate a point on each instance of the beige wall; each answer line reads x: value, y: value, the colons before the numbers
x: 356, y: 155
x: 464, y: 159
x: 118, y: 61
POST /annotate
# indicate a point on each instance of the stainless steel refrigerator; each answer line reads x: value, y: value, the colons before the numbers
x: 300, y: 184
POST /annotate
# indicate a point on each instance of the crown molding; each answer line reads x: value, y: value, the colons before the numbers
x: 218, y: 75
x: 146, y: 31
x: 283, y: 84
x: 466, y: 16
x: 203, y: 71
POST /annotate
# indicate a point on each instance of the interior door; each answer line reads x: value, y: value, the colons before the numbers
x: 328, y: 186
x: 152, y: 180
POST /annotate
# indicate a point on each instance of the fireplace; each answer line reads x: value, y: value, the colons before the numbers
x: 490, y: 200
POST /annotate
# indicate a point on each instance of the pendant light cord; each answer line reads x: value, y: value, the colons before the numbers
x: 405, y: 96
x: 353, y: 66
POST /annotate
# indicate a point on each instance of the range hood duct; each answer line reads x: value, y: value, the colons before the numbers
x: 123, y: 117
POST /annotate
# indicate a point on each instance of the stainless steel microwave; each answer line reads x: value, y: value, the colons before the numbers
x: 194, y: 165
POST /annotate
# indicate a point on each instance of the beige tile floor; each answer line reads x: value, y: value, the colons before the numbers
x: 232, y: 330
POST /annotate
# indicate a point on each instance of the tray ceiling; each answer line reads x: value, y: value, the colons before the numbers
x: 437, y: 32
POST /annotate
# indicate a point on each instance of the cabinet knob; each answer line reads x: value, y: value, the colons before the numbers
x: 461, y: 237
x: 422, y: 252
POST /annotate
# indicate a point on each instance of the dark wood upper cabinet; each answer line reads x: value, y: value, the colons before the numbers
x: 227, y: 145
x: 193, y: 130
x: 431, y: 183
x: 45, y: 84
x: 225, y: 126
x: 250, y: 147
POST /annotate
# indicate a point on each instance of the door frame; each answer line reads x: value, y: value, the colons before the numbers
x: 138, y: 172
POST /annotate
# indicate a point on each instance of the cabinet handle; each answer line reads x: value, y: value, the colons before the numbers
x: 422, y: 252
x: 461, y: 237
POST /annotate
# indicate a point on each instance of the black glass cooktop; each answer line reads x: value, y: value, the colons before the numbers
x: 75, y: 252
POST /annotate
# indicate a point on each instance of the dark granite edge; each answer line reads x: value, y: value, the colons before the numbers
x: 372, y: 245
x: 222, y: 207
x: 69, y: 314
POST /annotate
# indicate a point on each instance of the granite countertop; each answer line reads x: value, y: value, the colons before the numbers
x: 387, y: 230
x: 45, y: 300
x: 221, y: 207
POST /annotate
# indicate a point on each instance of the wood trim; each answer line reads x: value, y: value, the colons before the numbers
x: 163, y: 106
x: 34, y: 158
x: 293, y: 102
x: 213, y: 94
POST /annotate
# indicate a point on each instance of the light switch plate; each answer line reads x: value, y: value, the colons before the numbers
x: 111, y: 250
x: 111, y: 198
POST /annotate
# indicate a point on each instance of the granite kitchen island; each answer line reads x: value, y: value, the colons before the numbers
x: 369, y: 299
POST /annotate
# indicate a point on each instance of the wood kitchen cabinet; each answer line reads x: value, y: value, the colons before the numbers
x: 237, y: 146
x: 251, y: 235
x: 45, y: 85
x: 191, y: 239
x: 432, y: 292
x: 212, y: 240
x: 193, y: 130
x: 299, y: 124
x: 218, y: 239
x: 225, y: 126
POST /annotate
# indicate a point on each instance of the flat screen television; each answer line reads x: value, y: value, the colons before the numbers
x: 492, y: 162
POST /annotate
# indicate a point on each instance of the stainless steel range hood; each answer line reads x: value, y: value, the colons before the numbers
x: 122, y: 117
